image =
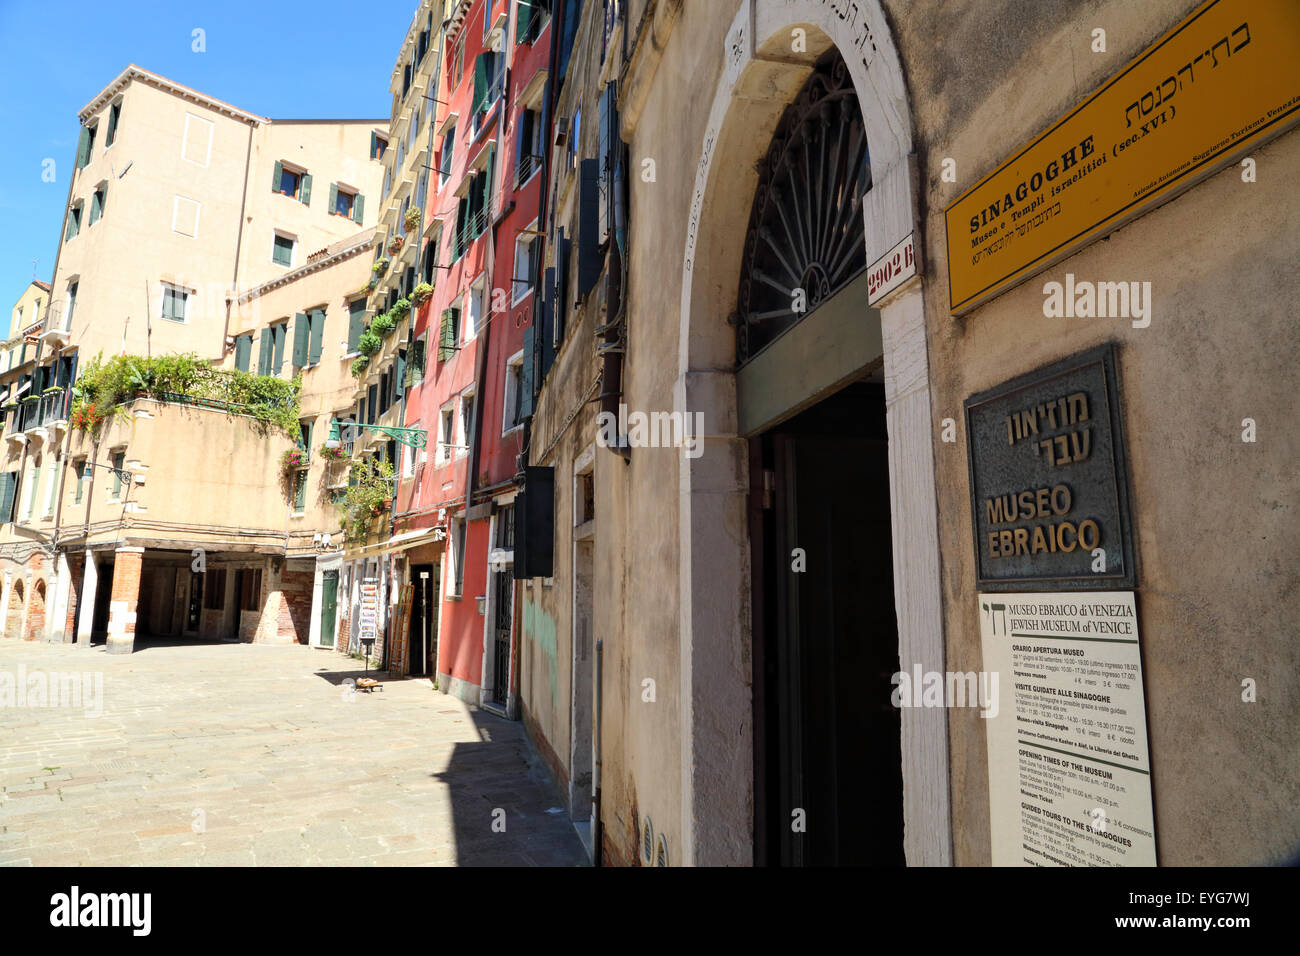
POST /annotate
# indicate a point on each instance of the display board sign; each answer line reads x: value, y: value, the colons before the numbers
x: 368, y: 613
x: 1069, y: 770
x: 1049, y: 481
x: 1219, y: 84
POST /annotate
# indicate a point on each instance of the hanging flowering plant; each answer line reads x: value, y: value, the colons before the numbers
x: 293, y: 459
x: 412, y: 219
x: 332, y: 454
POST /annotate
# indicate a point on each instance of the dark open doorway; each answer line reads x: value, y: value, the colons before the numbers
x: 828, y: 762
x: 423, y: 640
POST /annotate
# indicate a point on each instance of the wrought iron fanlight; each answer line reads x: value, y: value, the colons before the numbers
x: 805, y: 238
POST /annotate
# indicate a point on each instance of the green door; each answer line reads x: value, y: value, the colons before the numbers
x: 329, y: 607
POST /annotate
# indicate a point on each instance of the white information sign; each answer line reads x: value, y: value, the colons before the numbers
x: 1069, y: 774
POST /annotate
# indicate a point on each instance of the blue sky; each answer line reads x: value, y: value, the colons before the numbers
x: 326, y: 59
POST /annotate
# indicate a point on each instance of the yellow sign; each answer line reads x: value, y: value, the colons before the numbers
x: 1224, y: 80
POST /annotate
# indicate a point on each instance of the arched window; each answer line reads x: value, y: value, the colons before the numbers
x: 805, y: 238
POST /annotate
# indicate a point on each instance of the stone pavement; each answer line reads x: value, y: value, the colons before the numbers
x: 245, y: 754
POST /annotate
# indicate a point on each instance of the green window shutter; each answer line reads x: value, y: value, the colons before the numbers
x: 276, y: 176
x: 264, y: 357
x: 74, y: 224
x: 358, y: 207
x: 481, y: 65
x: 417, y: 360
x: 117, y: 475
x: 300, y: 492
x: 281, y: 333
x: 83, y: 148
x: 7, y: 488
x: 447, y: 335
x: 523, y: 19
x: 243, y: 350
x: 301, y: 332
x: 356, y: 323
x: 306, y: 189
x: 81, y: 479
x: 400, y: 377
x: 334, y: 197
x: 111, y: 135
x: 317, y: 342
x: 374, y: 144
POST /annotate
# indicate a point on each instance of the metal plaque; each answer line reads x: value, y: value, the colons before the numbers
x: 1049, y: 487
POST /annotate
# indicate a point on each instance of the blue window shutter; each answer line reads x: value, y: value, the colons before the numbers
x: 301, y: 333
x: 306, y: 189
x: 317, y: 343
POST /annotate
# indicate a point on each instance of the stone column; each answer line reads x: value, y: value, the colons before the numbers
x: 86, y: 609
x: 122, y: 606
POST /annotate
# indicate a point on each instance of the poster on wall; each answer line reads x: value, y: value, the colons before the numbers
x: 1069, y: 769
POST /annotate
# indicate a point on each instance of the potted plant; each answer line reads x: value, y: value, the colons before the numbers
x: 383, y: 324
x: 421, y: 294
x: 359, y: 366
x: 380, y: 267
x: 369, y: 343
x: 412, y: 219
x: 370, y: 286
x: 395, y: 245
x: 400, y: 308
x: 332, y: 454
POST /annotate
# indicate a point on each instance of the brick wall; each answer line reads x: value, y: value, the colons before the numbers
x: 77, y: 576
x: 294, y: 616
x: 127, y: 566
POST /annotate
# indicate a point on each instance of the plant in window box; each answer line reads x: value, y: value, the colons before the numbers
x: 411, y: 220
x: 332, y: 454
x: 52, y: 389
x: 359, y: 366
x: 421, y: 294
x: 369, y: 343
x: 395, y: 245
x: 379, y: 268
x: 383, y: 324
x: 370, y: 286
x: 400, y: 308
x: 292, y: 460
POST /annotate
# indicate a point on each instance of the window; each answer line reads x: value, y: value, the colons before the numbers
x: 87, y: 145
x: 505, y: 528
x: 304, y: 437
x: 446, y: 432
x: 97, y: 204
x: 214, y: 589
x: 114, y: 116
x: 243, y: 351
x: 347, y: 203
x: 448, y: 152
x: 415, y: 363
x: 448, y: 334
x: 455, y: 555
x: 514, y: 397
x: 573, y: 139
x: 528, y: 147
x: 429, y: 261
x: 356, y: 323
x: 291, y: 181
x: 33, y: 482
x: 185, y: 217
x: 466, y: 421
x: 531, y: 17
x: 476, y: 300
x: 378, y: 144
x: 118, y: 461
x: 51, y: 487
x: 174, y: 302
x: 250, y: 589
x: 486, y: 87
x: 458, y: 61
x: 282, y: 250
x: 299, y: 492
x: 525, y: 277
x: 82, y: 470
x: 74, y: 221
x: 72, y: 307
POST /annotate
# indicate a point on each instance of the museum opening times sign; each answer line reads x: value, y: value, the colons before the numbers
x: 1069, y: 768
x: 1220, y: 83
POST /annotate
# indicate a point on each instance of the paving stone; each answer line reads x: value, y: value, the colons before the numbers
x: 285, y: 772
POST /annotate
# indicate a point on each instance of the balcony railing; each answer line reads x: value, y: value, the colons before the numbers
x: 37, y: 411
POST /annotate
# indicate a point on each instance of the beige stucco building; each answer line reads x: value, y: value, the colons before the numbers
x: 192, y: 227
x: 731, y: 695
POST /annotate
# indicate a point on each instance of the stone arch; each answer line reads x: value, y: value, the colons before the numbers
x: 763, y: 72
x: 14, y: 614
x: 35, y: 629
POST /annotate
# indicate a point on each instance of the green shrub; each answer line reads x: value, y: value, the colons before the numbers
x: 369, y: 342
x: 359, y: 366
x: 383, y: 323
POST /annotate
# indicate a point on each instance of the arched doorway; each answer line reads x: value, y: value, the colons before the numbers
x: 36, y: 612
x: 726, y: 548
x: 14, y: 616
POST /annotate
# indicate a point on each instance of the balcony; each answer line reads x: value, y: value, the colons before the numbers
x: 57, y: 327
x: 36, y: 413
